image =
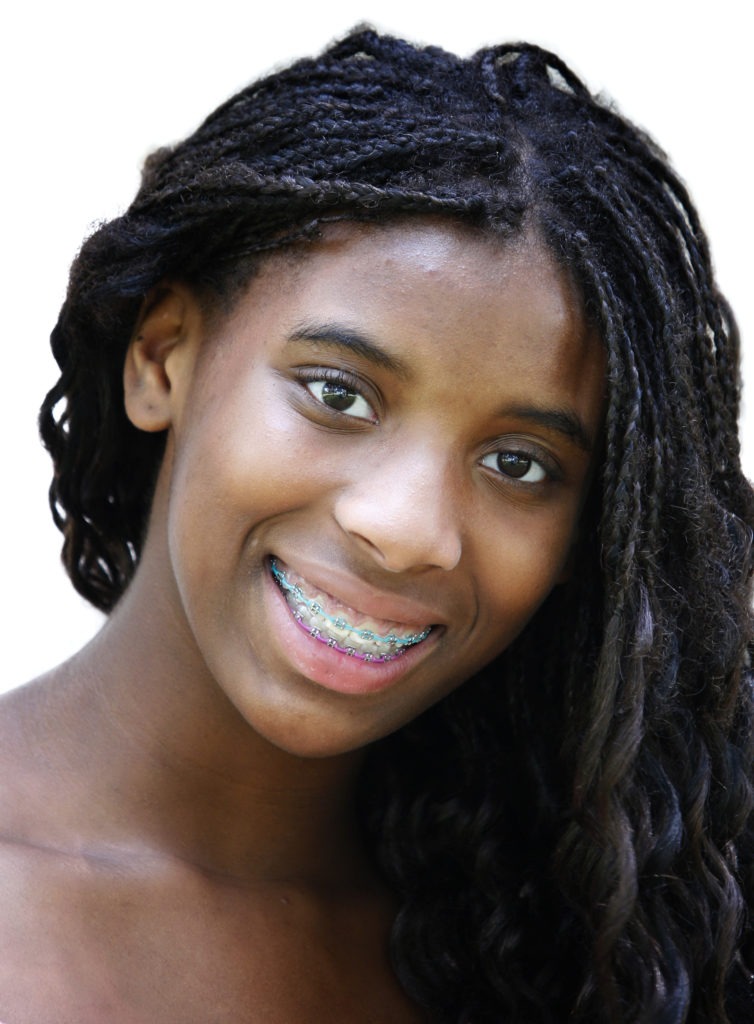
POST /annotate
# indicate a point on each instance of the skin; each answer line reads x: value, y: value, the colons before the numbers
x: 179, y: 839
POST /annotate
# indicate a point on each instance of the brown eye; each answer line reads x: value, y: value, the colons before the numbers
x: 341, y: 398
x: 516, y: 465
x: 513, y: 464
x: 337, y: 397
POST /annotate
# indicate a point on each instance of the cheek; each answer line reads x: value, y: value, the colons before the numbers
x: 235, y: 465
x: 525, y: 560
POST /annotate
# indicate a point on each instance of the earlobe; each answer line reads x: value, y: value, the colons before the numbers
x: 149, y: 370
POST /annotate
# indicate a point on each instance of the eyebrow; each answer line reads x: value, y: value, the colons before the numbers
x: 345, y: 338
x: 562, y: 421
x: 336, y: 336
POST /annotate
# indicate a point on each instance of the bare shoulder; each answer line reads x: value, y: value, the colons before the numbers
x: 32, y: 772
x: 108, y: 941
x: 33, y: 877
x: 50, y: 889
x: 97, y: 922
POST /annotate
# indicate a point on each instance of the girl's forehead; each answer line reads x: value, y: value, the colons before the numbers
x: 445, y: 306
x: 428, y: 247
x: 419, y: 271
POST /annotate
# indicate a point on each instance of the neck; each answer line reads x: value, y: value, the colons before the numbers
x: 164, y: 761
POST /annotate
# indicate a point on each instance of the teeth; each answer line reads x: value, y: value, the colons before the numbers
x: 339, y: 633
x: 336, y: 631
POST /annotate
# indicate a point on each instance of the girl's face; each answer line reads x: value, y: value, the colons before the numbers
x: 389, y: 438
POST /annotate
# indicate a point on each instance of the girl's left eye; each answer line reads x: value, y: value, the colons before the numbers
x: 341, y: 398
x: 519, y: 466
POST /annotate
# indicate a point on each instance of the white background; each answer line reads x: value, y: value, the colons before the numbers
x: 89, y: 89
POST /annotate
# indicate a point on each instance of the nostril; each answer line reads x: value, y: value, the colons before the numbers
x: 400, y: 540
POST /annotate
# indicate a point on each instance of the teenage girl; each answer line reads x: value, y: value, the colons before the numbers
x: 396, y: 432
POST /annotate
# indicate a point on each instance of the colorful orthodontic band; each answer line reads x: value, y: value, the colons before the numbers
x: 401, y: 643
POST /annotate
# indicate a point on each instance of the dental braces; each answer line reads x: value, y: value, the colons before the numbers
x: 365, y: 634
x: 331, y: 642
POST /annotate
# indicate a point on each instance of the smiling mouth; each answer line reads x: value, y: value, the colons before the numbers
x: 325, y: 619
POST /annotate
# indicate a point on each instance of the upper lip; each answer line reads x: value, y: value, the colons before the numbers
x: 363, y: 597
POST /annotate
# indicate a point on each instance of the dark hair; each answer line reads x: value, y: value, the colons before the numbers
x: 570, y: 832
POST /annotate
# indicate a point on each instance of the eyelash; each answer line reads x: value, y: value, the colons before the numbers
x: 340, y: 379
x: 545, y: 472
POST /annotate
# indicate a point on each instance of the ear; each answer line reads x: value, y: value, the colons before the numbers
x: 154, y: 360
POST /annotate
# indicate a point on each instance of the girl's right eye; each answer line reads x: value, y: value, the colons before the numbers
x: 342, y: 398
x: 517, y: 465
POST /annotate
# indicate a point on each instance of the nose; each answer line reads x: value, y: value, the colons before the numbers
x: 404, y: 511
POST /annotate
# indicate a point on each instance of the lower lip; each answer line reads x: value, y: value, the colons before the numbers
x: 331, y: 668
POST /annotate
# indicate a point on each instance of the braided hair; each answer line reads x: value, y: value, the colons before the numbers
x: 569, y: 833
